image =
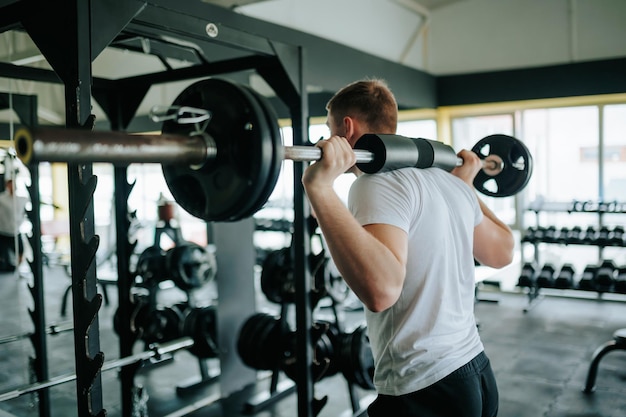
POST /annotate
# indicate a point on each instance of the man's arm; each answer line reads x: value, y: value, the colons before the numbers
x: 371, y: 259
x: 493, y: 239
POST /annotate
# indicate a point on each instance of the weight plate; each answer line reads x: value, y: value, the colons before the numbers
x: 201, y: 325
x: 275, y: 140
x: 259, y: 341
x: 150, y: 265
x: 326, y: 282
x: 362, y: 359
x: 163, y: 325
x: 190, y: 265
x: 517, y: 166
x: 229, y: 186
x: 277, y: 276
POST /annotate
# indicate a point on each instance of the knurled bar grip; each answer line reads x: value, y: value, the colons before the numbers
x: 84, y: 146
x: 374, y: 152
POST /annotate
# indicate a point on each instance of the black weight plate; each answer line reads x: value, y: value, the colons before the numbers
x: 275, y: 139
x: 163, y: 325
x: 253, y: 344
x: 511, y: 179
x: 244, y: 340
x: 277, y: 281
x: 201, y: 325
x: 268, y: 343
x: 227, y: 187
x: 150, y: 265
x: 362, y: 359
x: 190, y: 265
x: 328, y: 284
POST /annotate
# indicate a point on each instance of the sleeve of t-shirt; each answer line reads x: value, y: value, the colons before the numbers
x: 478, y: 213
x: 374, y: 200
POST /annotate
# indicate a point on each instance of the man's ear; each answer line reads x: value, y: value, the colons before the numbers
x: 349, y: 128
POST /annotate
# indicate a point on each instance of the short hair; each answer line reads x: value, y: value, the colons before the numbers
x: 369, y: 100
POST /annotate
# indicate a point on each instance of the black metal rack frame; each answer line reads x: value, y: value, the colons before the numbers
x: 215, y: 45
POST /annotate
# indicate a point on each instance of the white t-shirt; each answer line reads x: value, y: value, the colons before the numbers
x: 431, y: 330
x: 9, y: 206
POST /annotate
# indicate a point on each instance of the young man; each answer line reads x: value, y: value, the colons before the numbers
x: 406, y: 246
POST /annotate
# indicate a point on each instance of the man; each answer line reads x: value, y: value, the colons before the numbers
x: 12, y: 215
x: 406, y: 246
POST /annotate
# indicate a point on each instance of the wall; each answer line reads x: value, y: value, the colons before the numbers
x: 461, y: 36
x: 487, y: 35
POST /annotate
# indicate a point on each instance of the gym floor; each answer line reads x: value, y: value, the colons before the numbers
x: 541, y: 358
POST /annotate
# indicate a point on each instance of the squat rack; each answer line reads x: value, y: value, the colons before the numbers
x: 88, y: 27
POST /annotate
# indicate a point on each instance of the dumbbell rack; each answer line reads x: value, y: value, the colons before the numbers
x: 534, y: 278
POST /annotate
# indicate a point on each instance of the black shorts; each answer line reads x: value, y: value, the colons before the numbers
x: 470, y: 391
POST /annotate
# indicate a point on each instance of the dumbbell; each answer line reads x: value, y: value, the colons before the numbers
x: 604, y: 236
x: 605, y: 276
x: 540, y: 234
x: 620, y: 280
x: 617, y: 237
x: 527, y: 276
x: 563, y: 233
x: 590, y: 235
x: 574, y: 235
x: 545, y: 278
x: 565, y: 277
x: 586, y: 281
x: 550, y: 235
x: 529, y: 235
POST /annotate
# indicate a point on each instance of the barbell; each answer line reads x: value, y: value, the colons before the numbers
x: 53, y: 329
x: 221, y: 151
x: 155, y: 351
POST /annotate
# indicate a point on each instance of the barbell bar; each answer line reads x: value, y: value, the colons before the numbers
x: 224, y: 165
x: 83, y: 146
x: 53, y: 329
x: 155, y: 350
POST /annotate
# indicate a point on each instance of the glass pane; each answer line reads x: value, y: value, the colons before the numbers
x: 615, y: 176
x: 466, y: 131
x: 615, y: 153
x: 426, y: 129
x: 565, y: 142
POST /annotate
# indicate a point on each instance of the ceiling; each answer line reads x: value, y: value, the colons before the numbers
x: 438, y: 37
